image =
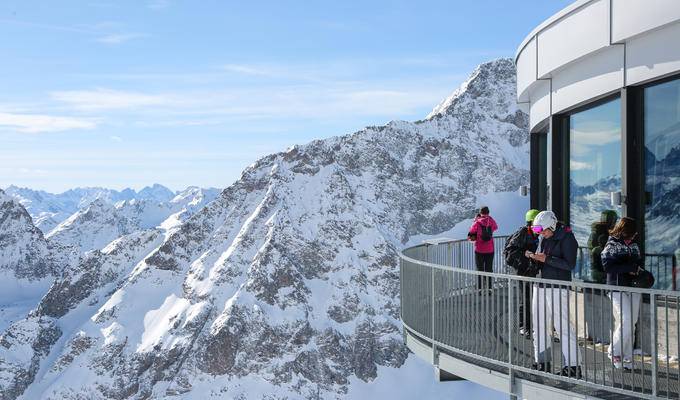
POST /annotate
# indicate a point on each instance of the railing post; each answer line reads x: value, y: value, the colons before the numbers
x: 432, y: 327
x: 673, y: 271
x: 511, y: 371
x: 653, y: 334
x: 401, y: 288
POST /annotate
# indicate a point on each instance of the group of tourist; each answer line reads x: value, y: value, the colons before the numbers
x: 546, y: 248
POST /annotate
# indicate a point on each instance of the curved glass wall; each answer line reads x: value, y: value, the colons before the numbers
x: 594, y: 172
x: 662, y: 168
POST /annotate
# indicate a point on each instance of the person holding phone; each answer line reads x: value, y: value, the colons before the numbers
x: 556, y: 258
x: 621, y: 261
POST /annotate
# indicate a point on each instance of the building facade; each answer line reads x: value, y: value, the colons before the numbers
x: 601, y: 83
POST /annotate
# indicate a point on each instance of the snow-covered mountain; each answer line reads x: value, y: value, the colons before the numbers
x: 28, y: 263
x: 101, y: 222
x: 49, y: 209
x: 286, y: 285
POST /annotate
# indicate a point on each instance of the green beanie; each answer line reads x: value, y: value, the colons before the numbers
x: 609, y: 217
x: 530, y: 215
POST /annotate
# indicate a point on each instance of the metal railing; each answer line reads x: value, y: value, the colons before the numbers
x: 442, y: 305
x: 663, y: 266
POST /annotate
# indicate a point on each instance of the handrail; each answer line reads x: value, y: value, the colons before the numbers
x: 441, y: 302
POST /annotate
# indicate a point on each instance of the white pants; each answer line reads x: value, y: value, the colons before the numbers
x: 626, y: 307
x: 549, y: 309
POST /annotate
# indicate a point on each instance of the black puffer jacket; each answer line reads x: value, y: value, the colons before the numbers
x: 513, y: 253
x: 619, y: 260
x: 561, y: 251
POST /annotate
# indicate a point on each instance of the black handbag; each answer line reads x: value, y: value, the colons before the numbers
x: 643, y: 280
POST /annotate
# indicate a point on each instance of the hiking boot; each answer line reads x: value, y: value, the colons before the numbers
x: 640, y: 352
x: 627, y: 365
x: 571, y: 372
x: 542, y: 367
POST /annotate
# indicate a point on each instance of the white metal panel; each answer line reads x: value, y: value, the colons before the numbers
x: 491, y: 379
x: 524, y: 107
x: 526, y: 69
x: 653, y: 54
x: 633, y: 17
x: 421, y: 350
x: 540, y: 103
x: 588, y: 78
x: 580, y: 33
x: 553, y: 18
x: 530, y: 390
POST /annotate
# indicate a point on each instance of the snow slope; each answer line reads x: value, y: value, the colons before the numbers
x: 286, y: 285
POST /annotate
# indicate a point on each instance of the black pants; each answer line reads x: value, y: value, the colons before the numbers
x: 525, y: 307
x: 484, y: 263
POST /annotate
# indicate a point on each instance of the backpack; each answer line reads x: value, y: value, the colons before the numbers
x: 487, y: 233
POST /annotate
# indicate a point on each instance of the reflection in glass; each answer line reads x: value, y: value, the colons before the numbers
x: 548, y: 169
x: 594, y: 173
x: 541, y: 170
x: 662, y: 169
x: 595, y: 166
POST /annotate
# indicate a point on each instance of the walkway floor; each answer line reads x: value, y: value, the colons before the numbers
x: 484, y: 332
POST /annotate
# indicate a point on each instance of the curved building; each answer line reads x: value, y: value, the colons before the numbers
x: 601, y: 83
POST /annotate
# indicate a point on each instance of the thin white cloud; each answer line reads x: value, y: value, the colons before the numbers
x: 36, y: 123
x: 248, y: 69
x: 595, y: 136
x: 580, y: 165
x: 118, y: 38
x: 33, y: 172
x: 116, y: 138
x: 158, y: 4
x: 108, y: 99
x: 29, y: 24
x: 592, y: 137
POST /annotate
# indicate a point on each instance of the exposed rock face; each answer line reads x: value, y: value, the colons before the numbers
x: 23, y: 249
x: 287, y: 284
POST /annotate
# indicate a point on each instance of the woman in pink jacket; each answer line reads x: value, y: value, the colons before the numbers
x: 481, y: 232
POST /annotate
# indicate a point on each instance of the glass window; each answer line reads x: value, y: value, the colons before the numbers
x: 539, y: 170
x: 662, y: 168
x: 594, y: 172
x: 542, y: 171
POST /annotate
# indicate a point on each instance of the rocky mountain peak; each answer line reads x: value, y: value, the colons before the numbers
x: 23, y: 249
x: 486, y: 91
x: 287, y: 284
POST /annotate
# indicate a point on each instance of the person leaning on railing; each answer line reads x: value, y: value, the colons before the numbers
x: 523, y: 240
x: 556, y: 258
x: 622, y: 262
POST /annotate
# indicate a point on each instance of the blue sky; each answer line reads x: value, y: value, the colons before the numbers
x: 130, y: 93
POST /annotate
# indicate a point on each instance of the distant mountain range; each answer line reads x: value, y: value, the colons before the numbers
x: 50, y: 209
x: 285, y: 286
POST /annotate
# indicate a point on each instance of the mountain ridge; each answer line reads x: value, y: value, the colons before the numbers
x: 287, y: 283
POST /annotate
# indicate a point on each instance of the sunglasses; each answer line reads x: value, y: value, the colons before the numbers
x: 537, y: 228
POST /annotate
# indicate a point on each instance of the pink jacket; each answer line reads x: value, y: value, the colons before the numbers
x: 476, y: 228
